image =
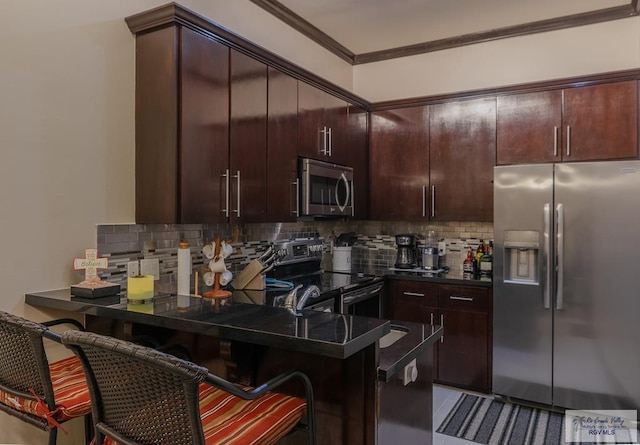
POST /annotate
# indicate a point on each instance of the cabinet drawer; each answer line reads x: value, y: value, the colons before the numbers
x: 465, y: 298
x: 426, y: 294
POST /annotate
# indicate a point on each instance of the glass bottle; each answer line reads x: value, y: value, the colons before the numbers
x: 467, y: 265
x: 480, y: 251
x: 486, y: 261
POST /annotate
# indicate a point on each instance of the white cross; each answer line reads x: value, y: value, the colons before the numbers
x: 91, y: 263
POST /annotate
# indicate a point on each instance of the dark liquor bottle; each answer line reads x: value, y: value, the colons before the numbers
x: 486, y: 260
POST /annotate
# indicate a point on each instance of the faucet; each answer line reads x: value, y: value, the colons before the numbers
x: 295, y: 305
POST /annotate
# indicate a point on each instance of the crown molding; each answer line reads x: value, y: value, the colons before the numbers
x: 285, y: 14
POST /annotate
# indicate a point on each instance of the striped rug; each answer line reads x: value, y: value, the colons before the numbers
x: 487, y: 421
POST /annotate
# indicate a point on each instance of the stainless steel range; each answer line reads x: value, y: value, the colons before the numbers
x: 299, y: 262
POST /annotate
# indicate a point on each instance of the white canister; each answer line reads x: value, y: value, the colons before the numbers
x: 341, y: 259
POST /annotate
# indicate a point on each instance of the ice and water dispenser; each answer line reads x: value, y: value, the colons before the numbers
x: 521, y: 251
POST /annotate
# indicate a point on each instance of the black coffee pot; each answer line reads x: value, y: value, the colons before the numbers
x: 407, y: 258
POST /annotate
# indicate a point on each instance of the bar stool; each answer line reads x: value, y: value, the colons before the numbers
x: 40, y: 393
x: 141, y: 396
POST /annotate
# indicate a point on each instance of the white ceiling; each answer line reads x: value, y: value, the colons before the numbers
x: 364, y: 26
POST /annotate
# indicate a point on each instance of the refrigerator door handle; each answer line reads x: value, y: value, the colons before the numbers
x: 560, y: 254
x: 547, y: 256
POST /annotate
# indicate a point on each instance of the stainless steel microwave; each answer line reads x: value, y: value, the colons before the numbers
x: 326, y: 189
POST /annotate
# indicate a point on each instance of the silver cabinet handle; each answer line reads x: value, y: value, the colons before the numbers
x: 454, y: 297
x: 546, y: 256
x: 555, y: 141
x: 296, y: 183
x: 568, y: 140
x: 433, y: 201
x: 225, y: 175
x: 424, y: 201
x: 237, y: 211
x: 442, y: 324
x: 330, y: 141
x: 325, y: 140
x: 560, y: 253
x: 431, y: 319
x: 413, y: 294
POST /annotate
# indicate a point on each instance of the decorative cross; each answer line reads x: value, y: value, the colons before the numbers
x: 91, y: 263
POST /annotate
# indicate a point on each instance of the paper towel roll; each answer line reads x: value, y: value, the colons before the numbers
x: 140, y: 287
x: 184, y: 269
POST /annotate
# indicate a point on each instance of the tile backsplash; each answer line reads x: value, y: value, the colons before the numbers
x: 374, y: 251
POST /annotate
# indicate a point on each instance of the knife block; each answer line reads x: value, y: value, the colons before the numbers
x: 250, y: 277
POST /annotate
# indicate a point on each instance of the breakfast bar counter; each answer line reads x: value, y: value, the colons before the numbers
x: 368, y: 391
x: 319, y: 333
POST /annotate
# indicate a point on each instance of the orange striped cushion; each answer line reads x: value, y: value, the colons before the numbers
x: 227, y: 419
x: 69, y: 389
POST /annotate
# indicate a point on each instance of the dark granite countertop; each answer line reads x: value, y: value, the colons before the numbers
x: 449, y: 277
x: 325, y: 334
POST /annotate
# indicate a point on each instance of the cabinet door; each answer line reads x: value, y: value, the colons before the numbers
x: 311, y: 139
x: 463, y: 353
x: 414, y: 301
x: 204, y: 121
x: 528, y: 128
x: 463, y: 153
x: 357, y: 158
x: 248, y: 139
x: 282, y: 147
x: 399, y: 164
x: 601, y: 122
x: 336, y: 120
x: 466, y: 314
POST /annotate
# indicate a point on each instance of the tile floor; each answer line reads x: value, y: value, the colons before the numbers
x: 444, y: 398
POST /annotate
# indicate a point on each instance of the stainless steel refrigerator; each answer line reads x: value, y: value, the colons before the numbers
x: 567, y: 284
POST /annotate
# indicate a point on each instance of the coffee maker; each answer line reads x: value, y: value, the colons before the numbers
x: 406, y: 258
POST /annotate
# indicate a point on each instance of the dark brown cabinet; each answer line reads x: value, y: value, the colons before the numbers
x: 182, y: 125
x: 357, y: 157
x: 282, y: 147
x: 465, y: 313
x: 462, y: 148
x: 322, y: 125
x: 596, y: 122
x: 463, y: 357
x: 399, y: 164
x: 247, y: 140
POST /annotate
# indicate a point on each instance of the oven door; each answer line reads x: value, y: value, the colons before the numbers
x: 327, y: 189
x: 365, y: 301
x: 323, y: 306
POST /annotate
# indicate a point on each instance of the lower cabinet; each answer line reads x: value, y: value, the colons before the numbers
x: 463, y: 357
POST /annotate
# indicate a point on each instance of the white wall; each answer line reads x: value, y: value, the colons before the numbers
x: 603, y: 47
x: 67, y: 133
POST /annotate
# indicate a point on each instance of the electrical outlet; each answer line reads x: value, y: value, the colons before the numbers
x: 133, y: 268
x: 150, y: 267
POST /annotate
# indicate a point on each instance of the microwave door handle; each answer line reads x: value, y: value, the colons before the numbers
x: 345, y: 181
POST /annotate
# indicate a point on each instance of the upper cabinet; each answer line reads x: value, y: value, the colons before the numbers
x: 596, y: 122
x: 182, y: 126
x: 322, y: 125
x: 247, y: 176
x: 462, y: 147
x: 357, y: 157
x: 433, y: 162
x: 399, y: 164
x: 282, y: 147
x: 217, y: 120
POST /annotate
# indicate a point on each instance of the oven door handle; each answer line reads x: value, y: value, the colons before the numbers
x: 356, y: 296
